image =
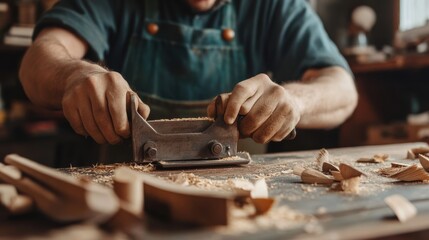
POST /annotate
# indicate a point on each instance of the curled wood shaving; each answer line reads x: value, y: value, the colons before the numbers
x: 403, y: 209
x: 411, y: 174
x: 348, y: 171
x: 387, y: 172
x: 410, y: 155
x: 424, y: 161
x: 322, y: 157
x: 314, y: 176
x: 399, y: 165
x: 328, y: 167
x: 414, y: 152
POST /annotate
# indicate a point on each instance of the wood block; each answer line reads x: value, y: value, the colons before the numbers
x: 12, y: 202
x: 128, y: 186
x: 188, y: 205
x: 60, y: 196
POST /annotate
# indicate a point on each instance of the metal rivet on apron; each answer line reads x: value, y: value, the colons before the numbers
x: 152, y: 28
x: 228, y: 34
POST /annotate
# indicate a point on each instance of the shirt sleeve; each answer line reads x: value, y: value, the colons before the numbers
x: 298, y: 41
x: 93, y: 21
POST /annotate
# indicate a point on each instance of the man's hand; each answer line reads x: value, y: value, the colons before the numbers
x: 270, y: 112
x: 95, y: 104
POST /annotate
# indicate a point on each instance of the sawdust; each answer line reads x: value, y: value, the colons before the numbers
x: 190, y: 179
x: 281, y: 217
x: 351, y: 185
x: 102, y: 174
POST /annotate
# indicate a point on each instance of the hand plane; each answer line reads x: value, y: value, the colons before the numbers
x: 185, y: 142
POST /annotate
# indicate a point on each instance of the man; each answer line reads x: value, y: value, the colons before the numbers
x: 177, y: 54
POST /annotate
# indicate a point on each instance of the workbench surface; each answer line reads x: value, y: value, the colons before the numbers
x: 334, y: 215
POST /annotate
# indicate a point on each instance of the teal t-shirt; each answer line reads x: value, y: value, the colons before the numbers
x: 284, y: 37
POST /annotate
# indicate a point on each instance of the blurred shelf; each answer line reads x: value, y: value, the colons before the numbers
x: 399, y: 62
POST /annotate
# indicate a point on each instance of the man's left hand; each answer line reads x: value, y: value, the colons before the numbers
x: 269, y: 112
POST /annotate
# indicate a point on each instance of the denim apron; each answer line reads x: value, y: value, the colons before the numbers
x: 177, y: 69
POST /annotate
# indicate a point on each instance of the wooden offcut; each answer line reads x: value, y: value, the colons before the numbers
x: 59, y: 196
x: 187, y: 205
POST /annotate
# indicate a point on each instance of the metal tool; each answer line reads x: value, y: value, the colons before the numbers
x: 187, y: 142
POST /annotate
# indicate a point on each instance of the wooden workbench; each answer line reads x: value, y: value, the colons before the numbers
x: 340, y: 215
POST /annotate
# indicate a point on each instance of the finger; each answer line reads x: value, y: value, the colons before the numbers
x: 211, y: 109
x: 74, y: 120
x: 249, y: 103
x: 260, y: 112
x: 117, y: 109
x: 88, y: 121
x: 143, y: 109
x: 221, y: 103
x: 277, y: 122
x: 286, y: 132
x: 241, y: 92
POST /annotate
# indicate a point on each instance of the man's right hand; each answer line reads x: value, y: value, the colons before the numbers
x: 95, y: 104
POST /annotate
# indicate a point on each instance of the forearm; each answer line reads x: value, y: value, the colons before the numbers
x: 46, y: 68
x: 325, y: 99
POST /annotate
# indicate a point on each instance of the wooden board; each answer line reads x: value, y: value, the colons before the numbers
x: 347, y: 214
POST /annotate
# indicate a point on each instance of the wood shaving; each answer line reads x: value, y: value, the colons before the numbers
x: 322, y: 157
x: 386, y: 172
x: 313, y: 176
x: 185, y: 119
x: 411, y: 174
x: 414, y: 152
x: 328, y: 167
x: 348, y: 171
x: 403, y: 209
x: 377, y: 158
x: 424, y: 161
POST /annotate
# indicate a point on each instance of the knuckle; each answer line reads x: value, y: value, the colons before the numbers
x: 122, y: 130
x: 263, y: 76
x: 90, y: 83
x: 278, y: 90
x: 245, y: 109
x: 260, y: 138
x: 242, y: 88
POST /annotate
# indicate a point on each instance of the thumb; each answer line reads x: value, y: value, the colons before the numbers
x: 138, y: 105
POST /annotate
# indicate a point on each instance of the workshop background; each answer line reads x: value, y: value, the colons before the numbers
x: 384, y: 41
